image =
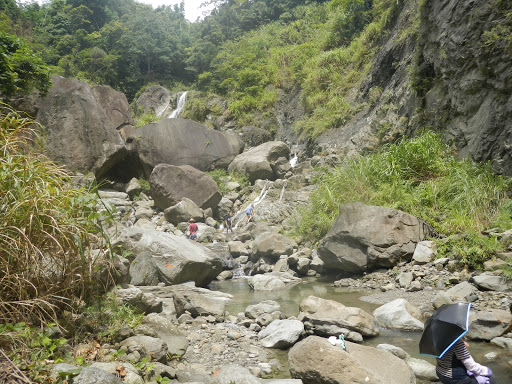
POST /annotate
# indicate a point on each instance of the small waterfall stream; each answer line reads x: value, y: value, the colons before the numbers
x: 240, y: 215
x: 294, y: 160
x: 181, y: 104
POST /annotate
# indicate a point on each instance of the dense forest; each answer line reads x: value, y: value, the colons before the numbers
x: 245, y: 51
x: 125, y: 44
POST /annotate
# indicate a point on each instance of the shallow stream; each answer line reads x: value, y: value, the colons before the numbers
x: 290, y: 298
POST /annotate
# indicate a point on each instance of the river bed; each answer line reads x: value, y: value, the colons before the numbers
x: 290, y: 298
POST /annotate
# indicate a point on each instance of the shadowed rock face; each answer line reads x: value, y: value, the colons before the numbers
x: 463, y: 77
x: 84, y: 126
x: 185, y: 142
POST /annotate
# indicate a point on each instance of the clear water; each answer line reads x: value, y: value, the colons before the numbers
x: 290, y: 298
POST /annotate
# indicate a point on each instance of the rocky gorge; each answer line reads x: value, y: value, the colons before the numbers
x: 187, y: 333
x: 190, y: 337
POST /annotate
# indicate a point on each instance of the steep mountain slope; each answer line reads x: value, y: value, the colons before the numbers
x: 456, y: 79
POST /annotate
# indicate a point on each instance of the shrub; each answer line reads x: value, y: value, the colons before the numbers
x: 221, y: 177
x: 45, y: 228
x: 146, y: 118
x: 471, y: 249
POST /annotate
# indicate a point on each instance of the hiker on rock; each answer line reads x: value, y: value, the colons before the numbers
x: 192, y: 230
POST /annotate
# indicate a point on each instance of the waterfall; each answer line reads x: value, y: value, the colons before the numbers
x: 294, y: 160
x: 181, y: 104
x: 240, y: 215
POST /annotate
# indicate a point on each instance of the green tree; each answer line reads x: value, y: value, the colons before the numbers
x: 21, y: 69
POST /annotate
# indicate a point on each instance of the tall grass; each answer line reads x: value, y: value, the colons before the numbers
x: 44, y: 229
x: 419, y: 176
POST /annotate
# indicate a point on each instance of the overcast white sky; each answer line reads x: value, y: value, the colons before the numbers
x: 192, y: 10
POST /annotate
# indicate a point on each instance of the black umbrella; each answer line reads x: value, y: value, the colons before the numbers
x: 447, y: 325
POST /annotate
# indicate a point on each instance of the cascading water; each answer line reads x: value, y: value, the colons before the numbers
x: 181, y: 104
x: 239, y: 216
x: 294, y: 160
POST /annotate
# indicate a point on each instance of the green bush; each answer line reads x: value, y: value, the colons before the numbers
x: 46, y: 226
x: 419, y: 176
x: 145, y: 118
x: 471, y: 249
x: 221, y: 177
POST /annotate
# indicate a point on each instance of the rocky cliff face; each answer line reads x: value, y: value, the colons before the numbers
x: 470, y: 97
x: 446, y: 65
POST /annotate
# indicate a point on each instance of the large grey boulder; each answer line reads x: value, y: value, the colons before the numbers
x: 84, y: 127
x: 184, y: 142
x: 200, y: 301
x: 173, y: 259
x: 281, y: 334
x: 259, y: 162
x: 170, y: 184
x: 316, y: 361
x: 364, y: 238
x: 146, y: 302
x: 271, y: 282
x: 460, y: 291
x: 272, y: 245
x: 185, y: 210
x: 399, y: 314
x: 324, y: 314
x: 491, y: 282
x: 177, y: 343
x: 263, y: 308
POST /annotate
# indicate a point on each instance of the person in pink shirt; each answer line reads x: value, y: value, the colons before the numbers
x: 192, y: 230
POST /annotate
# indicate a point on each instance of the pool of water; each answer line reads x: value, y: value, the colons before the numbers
x: 290, y: 298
